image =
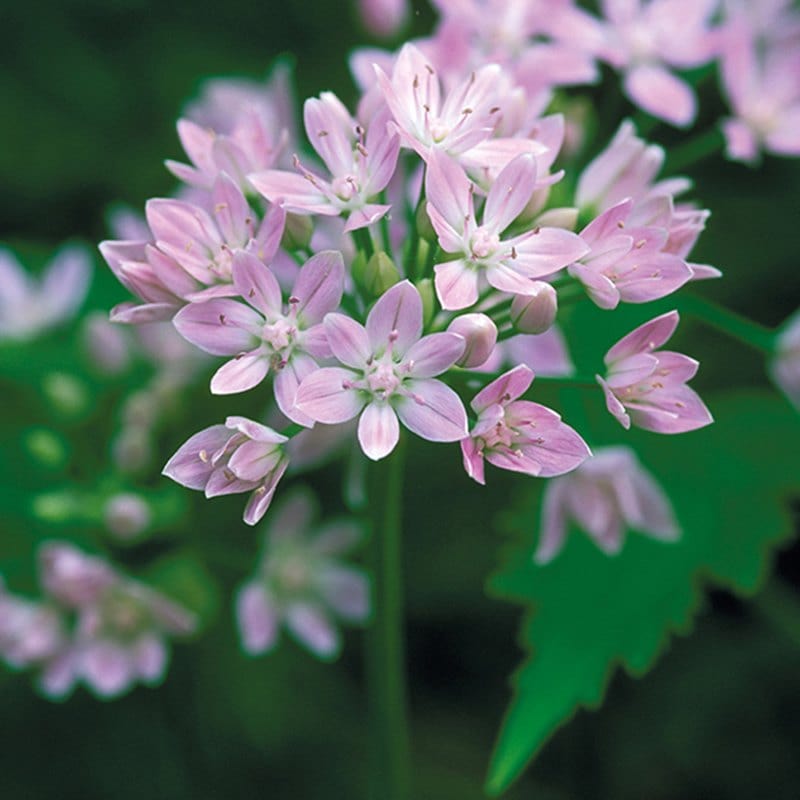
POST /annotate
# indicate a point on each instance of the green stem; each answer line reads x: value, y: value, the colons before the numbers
x: 363, y: 241
x: 689, y: 153
x: 386, y: 678
x: 728, y: 322
x: 572, y: 381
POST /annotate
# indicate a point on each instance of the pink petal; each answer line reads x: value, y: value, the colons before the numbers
x: 473, y: 460
x: 510, y: 193
x: 294, y: 192
x: 378, y: 430
x: 348, y: 340
x: 150, y: 657
x: 554, y: 521
x: 366, y: 215
x: 398, y: 313
x: 449, y: 190
x: 508, y: 386
x: 346, y: 591
x: 456, y: 284
x: 252, y: 461
x: 231, y: 212
x: 221, y: 327
x: 661, y: 94
x: 189, y: 466
x: 319, y: 286
x: 287, y: 381
x: 632, y: 369
x: 106, y: 668
x: 312, y: 628
x: 433, y: 411
x: 330, y: 130
x: 257, y: 619
x: 256, y: 284
x: 675, y: 409
x: 433, y: 354
x: 325, y: 396
x: 645, y: 338
x: 544, y: 251
x: 614, y: 406
x: 240, y: 374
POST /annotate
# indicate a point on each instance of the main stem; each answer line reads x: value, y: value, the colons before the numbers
x: 386, y: 676
x: 729, y: 322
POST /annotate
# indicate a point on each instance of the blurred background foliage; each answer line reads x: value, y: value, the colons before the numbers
x: 90, y: 92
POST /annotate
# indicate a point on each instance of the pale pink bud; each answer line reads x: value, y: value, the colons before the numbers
x: 535, y: 313
x: 480, y: 334
x: 384, y: 18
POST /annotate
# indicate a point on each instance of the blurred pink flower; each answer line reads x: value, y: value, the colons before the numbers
x: 30, y: 307
x: 784, y: 366
x: 608, y: 493
x: 300, y: 583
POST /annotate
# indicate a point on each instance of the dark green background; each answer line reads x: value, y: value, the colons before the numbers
x: 89, y: 94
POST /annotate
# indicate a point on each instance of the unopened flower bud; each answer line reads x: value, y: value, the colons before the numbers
x: 67, y: 394
x: 426, y: 292
x: 536, y: 312
x: 384, y: 18
x: 480, y: 334
x: 380, y: 274
x: 297, y: 232
x: 126, y: 516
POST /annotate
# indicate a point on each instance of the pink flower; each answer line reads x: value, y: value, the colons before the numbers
x: 643, y: 38
x: 519, y: 435
x: 628, y: 264
x: 509, y: 265
x: 361, y: 164
x: 300, y: 583
x: 239, y: 456
x: 784, y: 367
x: 236, y: 127
x: 649, y: 388
x: 191, y: 257
x: 388, y: 373
x: 29, y: 307
x: 761, y: 78
x: 203, y: 244
x: 462, y: 123
x: 121, y: 626
x: 608, y: 493
x: 263, y: 334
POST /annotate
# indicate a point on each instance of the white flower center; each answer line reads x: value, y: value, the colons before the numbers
x: 279, y: 334
x: 345, y: 188
x: 484, y: 243
x: 383, y: 380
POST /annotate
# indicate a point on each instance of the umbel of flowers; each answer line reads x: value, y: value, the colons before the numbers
x: 429, y: 246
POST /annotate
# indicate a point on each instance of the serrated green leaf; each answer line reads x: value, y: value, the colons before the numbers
x: 589, y: 613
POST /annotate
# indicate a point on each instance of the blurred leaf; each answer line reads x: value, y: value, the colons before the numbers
x: 589, y: 613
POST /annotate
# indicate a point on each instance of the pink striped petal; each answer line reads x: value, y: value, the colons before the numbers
x: 433, y: 354
x: 325, y: 397
x: 191, y: 466
x: 508, y: 386
x: 348, y: 340
x: 433, y: 411
x: 456, y: 284
x: 240, y: 374
x: 473, y: 460
x: 319, y: 286
x: 645, y: 338
x: 221, y: 327
x: 448, y: 189
x: 254, y: 282
x: 378, y: 430
x: 510, y: 193
x: 398, y: 312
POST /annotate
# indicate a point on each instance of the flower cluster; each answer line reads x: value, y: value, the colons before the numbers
x: 407, y: 268
x: 93, y: 626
